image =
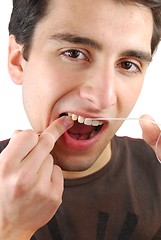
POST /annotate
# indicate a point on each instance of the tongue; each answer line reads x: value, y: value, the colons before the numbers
x: 80, y: 128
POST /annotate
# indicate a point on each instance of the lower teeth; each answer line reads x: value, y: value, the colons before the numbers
x: 93, y: 133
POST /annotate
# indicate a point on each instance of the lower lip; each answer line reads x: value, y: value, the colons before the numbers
x: 82, y: 144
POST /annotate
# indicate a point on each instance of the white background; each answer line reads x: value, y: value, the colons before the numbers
x: 12, y: 115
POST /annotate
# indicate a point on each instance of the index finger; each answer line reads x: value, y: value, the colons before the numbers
x: 56, y: 129
x: 46, y: 143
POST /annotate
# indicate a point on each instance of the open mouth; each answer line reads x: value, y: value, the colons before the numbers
x: 83, y: 128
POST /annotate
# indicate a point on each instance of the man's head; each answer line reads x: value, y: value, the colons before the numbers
x: 85, y: 59
x: 26, y: 15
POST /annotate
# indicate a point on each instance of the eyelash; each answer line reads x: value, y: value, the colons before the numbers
x: 129, y: 65
x: 67, y: 55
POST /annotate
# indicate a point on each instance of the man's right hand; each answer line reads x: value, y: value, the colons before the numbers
x: 31, y: 186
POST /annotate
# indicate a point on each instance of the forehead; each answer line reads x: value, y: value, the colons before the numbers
x: 99, y: 19
x: 94, y: 9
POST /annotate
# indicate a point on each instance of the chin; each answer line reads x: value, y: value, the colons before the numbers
x: 74, y: 163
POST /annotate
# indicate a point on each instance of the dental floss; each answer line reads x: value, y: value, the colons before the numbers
x: 131, y: 119
x: 123, y: 119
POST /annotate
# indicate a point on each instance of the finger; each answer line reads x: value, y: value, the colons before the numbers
x: 51, y: 181
x: 47, y: 139
x: 45, y: 171
x: 158, y: 148
x: 58, y: 127
x: 53, y: 132
x: 150, y: 130
x: 57, y: 181
x: 19, y: 147
x: 15, y: 133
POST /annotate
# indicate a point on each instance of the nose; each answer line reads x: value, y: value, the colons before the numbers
x: 99, y: 88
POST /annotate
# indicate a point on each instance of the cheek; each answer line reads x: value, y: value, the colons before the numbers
x: 37, y: 97
x: 128, y: 96
x: 41, y: 90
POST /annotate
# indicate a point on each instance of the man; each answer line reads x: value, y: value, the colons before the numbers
x: 78, y: 60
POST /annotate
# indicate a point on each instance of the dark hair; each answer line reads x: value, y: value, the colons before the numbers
x: 27, y: 13
x: 24, y: 18
x: 155, y: 7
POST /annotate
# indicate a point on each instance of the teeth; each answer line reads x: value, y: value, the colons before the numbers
x: 74, y: 117
x: 86, y: 121
x: 81, y: 119
x: 93, y: 133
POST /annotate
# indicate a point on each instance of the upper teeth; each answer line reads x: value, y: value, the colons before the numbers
x: 86, y: 121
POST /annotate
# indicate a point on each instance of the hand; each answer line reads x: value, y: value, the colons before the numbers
x: 31, y: 185
x: 151, y: 133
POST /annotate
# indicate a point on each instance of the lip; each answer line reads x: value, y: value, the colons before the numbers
x: 74, y: 144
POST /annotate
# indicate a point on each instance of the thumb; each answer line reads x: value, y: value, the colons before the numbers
x: 150, y: 129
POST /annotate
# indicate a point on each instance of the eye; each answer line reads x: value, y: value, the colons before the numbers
x: 74, y: 55
x: 129, y: 67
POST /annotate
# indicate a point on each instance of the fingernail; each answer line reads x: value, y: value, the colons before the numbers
x: 68, y: 122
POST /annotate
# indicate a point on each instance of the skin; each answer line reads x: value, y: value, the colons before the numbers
x: 30, y: 182
x: 53, y: 82
x: 95, y: 73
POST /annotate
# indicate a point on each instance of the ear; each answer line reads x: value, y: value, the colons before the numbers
x: 15, y: 60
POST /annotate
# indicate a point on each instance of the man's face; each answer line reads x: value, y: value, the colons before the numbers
x: 87, y: 58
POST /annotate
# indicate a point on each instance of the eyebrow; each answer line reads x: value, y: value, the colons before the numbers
x: 142, y: 55
x: 75, y: 39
